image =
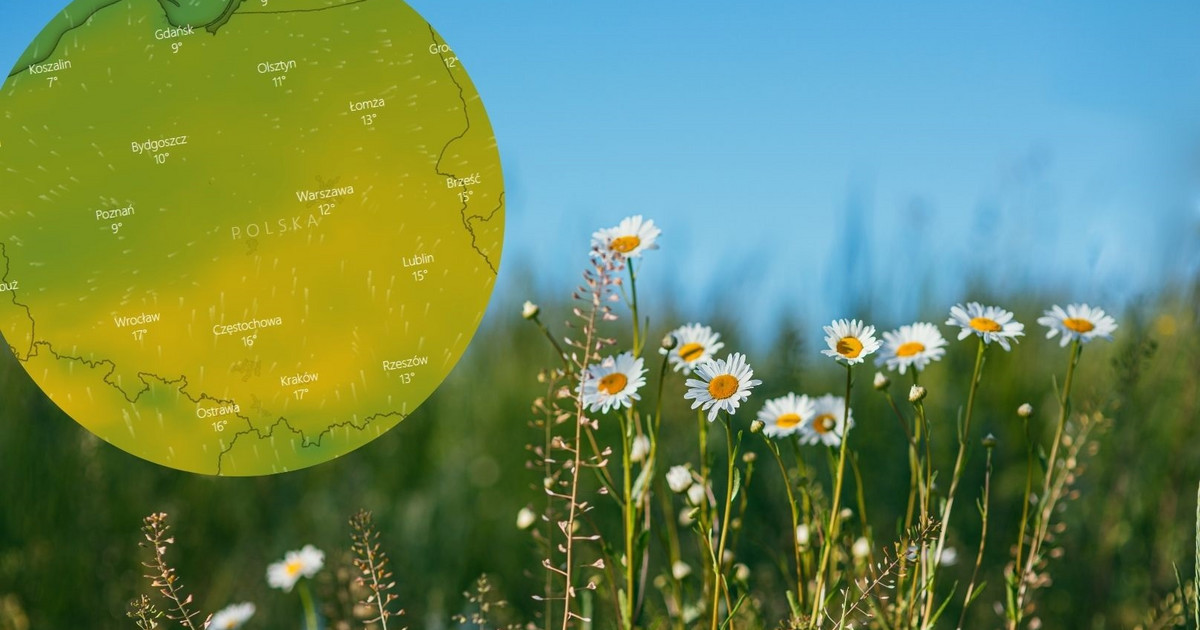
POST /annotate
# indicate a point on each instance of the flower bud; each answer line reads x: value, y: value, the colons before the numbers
x: 881, y: 381
x: 680, y: 570
x: 757, y: 426
x: 861, y: 548
x: 989, y: 441
x: 669, y: 342
x: 916, y: 394
x: 530, y: 310
x: 741, y: 572
x: 640, y: 448
x: 1025, y: 410
x: 802, y: 535
x: 679, y: 479
x: 526, y: 518
x: 697, y: 494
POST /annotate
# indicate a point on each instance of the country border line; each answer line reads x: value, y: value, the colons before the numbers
x: 61, y: 35
x: 304, y: 441
x: 316, y: 10
x: 437, y: 167
x: 28, y: 313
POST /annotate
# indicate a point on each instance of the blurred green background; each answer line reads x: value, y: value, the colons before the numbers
x: 447, y: 483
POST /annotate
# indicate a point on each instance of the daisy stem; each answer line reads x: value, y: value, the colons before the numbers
x: 649, y: 466
x: 858, y: 493
x: 718, y: 557
x: 705, y: 519
x: 310, y: 612
x: 674, y: 554
x: 629, y: 513
x: 1064, y: 411
x: 987, y: 494
x: 633, y: 307
x: 964, y: 431
x: 913, y: 459
x: 1046, y: 501
x: 787, y: 484
x: 831, y: 532
x: 1028, y: 492
x: 554, y: 342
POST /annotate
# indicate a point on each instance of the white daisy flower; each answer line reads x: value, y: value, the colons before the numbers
x: 825, y: 427
x: 722, y: 386
x: 784, y: 415
x: 232, y: 616
x: 1079, y: 321
x: 630, y: 238
x: 917, y: 345
x: 850, y: 340
x: 991, y: 323
x: 295, y: 565
x: 694, y: 344
x: 613, y: 383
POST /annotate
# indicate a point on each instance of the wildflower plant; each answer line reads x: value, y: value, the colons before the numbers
x: 632, y: 535
x: 374, y: 576
x: 296, y: 568
x: 839, y: 575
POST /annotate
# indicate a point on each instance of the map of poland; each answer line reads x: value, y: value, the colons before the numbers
x: 243, y: 237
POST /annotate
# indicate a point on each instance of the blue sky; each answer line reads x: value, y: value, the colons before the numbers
x: 814, y: 155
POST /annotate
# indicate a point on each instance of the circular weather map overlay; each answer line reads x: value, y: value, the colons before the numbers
x: 242, y: 237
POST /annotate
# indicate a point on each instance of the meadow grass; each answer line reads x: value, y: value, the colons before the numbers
x: 447, y: 485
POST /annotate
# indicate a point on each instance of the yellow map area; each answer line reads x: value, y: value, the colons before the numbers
x: 250, y: 245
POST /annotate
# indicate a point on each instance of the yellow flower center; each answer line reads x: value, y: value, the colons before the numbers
x: 983, y: 324
x: 293, y: 567
x: 722, y: 387
x: 625, y: 244
x: 849, y: 347
x: 787, y: 420
x: 613, y: 384
x: 824, y: 423
x: 691, y: 351
x: 909, y: 349
x: 1079, y: 325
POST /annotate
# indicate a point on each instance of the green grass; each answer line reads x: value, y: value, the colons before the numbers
x: 446, y: 485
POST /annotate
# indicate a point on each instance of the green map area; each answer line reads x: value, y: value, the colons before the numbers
x: 243, y: 237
